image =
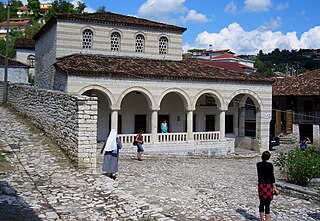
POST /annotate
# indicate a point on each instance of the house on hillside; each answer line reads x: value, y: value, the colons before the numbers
x: 296, y: 105
x: 135, y: 68
x: 14, y: 24
x: 24, y: 11
x: 25, y: 53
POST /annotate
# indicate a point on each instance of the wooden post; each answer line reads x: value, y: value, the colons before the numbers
x: 278, y: 122
x: 289, y: 122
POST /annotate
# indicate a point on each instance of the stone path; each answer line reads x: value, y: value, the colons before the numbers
x: 160, y: 188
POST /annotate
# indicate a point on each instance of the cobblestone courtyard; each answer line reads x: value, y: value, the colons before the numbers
x: 161, y: 188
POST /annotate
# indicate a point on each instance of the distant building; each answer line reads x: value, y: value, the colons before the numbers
x: 24, y: 10
x: 45, y: 7
x: 14, y: 23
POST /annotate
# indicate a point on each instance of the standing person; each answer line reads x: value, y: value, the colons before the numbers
x: 111, y: 154
x: 266, y: 185
x: 304, y: 143
x: 139, y: 141
x: 164, y: 127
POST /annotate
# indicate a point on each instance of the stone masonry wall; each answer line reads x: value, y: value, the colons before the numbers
x: 68, y: 120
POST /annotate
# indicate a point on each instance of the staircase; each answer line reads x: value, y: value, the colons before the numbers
x: 287, y: 139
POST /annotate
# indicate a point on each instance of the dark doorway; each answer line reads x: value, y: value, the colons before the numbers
x: 306, y: 130
x: 210, y: 122
x: 162, y: 117
x: 229, y: 124
x: 140, y: 122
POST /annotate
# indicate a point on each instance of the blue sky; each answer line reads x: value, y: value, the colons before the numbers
x: 244, y: 26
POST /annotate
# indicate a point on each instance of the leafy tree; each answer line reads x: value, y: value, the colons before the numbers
x: 31, y: 30
x: 34, y: 5
x: 102, y: 9
x: 60, y: 6
x: 80, y: 7
x: 14, y: 5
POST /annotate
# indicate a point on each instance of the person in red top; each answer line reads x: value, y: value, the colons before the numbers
x: 139, y: 140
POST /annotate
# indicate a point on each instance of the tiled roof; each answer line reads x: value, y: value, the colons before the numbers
x: 24, y: 43
x: 234, y: 66
x: 188, y: 69
x: 307, y: 84
x: 11, y: 63
x: 114, y: 19
x: 226, y: 55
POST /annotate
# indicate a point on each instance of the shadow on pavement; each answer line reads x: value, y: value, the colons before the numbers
x: 13, y: 207
x: 247, y: 215
x: 315, y: 216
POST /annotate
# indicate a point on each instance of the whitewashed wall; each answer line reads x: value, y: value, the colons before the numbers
x: 15, y: 75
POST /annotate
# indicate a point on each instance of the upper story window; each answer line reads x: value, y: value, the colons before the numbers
x: 31, y: 59
x: 115, y: 41
x: 140, y: 44
x: 87, y: 38
x: 163, y: 45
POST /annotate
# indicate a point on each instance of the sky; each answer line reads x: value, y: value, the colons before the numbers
x: 243, y: 26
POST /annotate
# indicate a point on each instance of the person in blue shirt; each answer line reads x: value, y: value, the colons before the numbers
x: 164, y: 127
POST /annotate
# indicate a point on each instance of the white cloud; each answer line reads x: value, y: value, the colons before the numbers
x: 159, y: 9
x: 235, y: 38
x: 257, y: 5
x: 194, y: 17
x: 273, y: 24
x: 282, y: 6
x: 231, y: 8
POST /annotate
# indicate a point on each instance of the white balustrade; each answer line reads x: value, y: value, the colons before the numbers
x: 206, y: 136
x: 172, y: 137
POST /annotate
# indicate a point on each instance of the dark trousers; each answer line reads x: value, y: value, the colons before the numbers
x: 264, y: 206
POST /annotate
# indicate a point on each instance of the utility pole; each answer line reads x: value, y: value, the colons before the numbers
x: 5, y: 82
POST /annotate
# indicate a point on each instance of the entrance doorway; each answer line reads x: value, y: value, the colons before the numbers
x: 210, y: 122
x: 140, y: 122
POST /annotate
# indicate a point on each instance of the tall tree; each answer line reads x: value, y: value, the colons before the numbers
x: 34, y: 5
x: 60, y: 6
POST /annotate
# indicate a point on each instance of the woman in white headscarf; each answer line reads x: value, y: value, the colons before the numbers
x: 110, y: 150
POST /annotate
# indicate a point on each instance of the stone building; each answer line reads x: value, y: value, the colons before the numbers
x: 135, y: 68
x: 296, y: 105
x: 25, y: 53
x: 17, y: 71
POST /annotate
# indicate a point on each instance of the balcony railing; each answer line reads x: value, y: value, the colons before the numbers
x: 171, y: 137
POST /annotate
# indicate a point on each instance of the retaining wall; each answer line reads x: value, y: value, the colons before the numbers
x: 70, y: 121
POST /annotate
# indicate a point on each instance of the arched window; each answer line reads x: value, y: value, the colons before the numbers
x: 163, y: 45
x: 140, y: 44
x: 87, y: 38
x: 31, y: 60
x: 115, y: 41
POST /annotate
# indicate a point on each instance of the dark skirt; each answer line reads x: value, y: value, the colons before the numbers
x: 110, y: 164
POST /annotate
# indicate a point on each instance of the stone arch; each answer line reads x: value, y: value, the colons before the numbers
x: 214, y: 93
x: 145, y: 92
x: 104, y: 90
x: 248, y: 93
x: 182, y: 94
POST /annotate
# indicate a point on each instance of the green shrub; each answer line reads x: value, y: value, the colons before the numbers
x: 300, y: 166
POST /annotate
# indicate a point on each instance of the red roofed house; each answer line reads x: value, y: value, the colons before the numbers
x: 135, y: 68
x: 296, y: 101
x: 24, y: 10
x: 14, y: 23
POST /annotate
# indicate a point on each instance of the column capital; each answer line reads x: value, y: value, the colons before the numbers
x: 115, y: 108
x: 155, y: 109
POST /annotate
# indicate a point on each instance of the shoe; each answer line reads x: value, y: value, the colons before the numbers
x: 114, y: 177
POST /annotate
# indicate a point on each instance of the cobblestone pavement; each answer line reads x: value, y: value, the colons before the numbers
x: 160, y: 188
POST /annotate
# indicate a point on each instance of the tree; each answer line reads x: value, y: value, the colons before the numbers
x: 14, y: 5
x: 32, y: 29
x: 80, y: 7
x: 101, y: 9
x: 60, y: 6
x: 34, y: 5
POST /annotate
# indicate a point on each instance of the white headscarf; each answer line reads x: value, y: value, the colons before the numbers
x: 111, y: 143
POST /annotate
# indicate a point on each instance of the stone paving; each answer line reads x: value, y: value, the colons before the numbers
x: 49, y: 187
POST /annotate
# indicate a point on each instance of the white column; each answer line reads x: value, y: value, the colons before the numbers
x: 222, y: 124
x: 114, y: 120
x: 190, y: 126
x: 154, y: 126
x: 242, y: 116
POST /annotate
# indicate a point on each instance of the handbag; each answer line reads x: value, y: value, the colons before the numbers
x: 135, y: 143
